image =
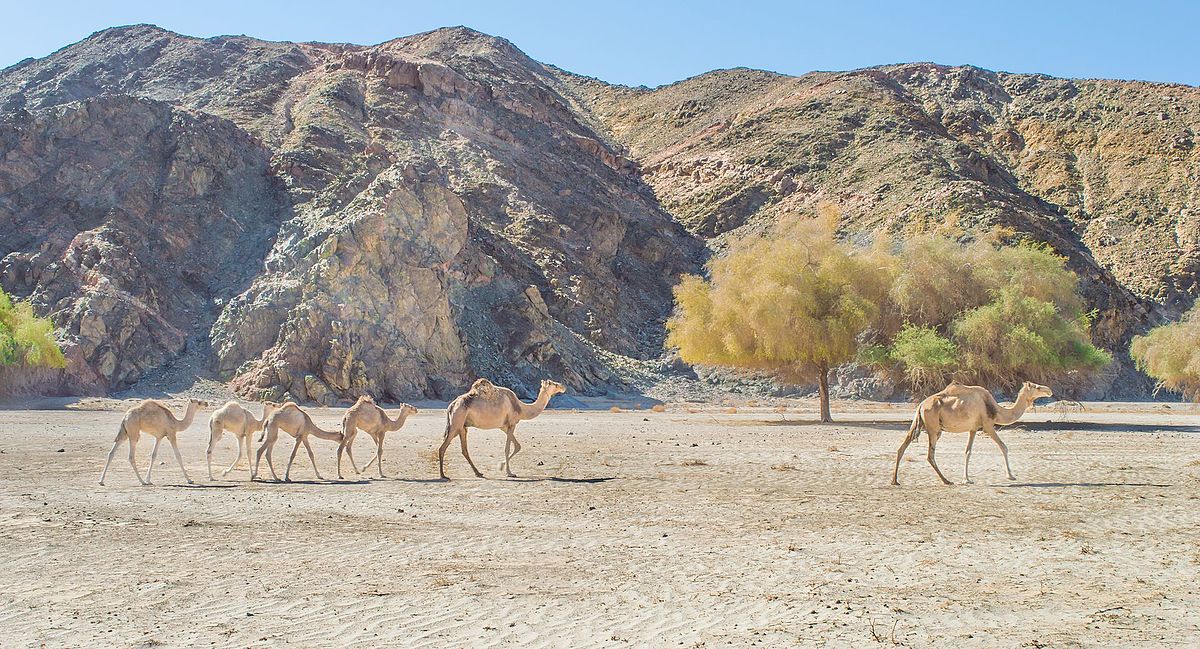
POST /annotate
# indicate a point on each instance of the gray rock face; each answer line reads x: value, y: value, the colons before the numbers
x: 443, y: 215
x: 124, y: 220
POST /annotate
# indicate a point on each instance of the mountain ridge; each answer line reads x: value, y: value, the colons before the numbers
x: 448, y: 170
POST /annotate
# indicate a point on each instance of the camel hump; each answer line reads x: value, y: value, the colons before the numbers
x: 483, y: 388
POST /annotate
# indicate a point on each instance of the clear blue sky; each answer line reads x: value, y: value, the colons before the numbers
x: 653, y: 43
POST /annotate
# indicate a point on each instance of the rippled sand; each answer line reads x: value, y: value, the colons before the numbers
x: 679, y: 529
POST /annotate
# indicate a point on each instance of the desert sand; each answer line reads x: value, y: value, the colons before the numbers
x: 687, y: 528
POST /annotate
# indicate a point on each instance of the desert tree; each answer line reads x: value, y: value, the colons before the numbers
x: 794, y: 304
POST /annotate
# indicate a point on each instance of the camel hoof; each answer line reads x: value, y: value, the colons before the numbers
x: 478, y: 474
x: 895, y: 483
x: 101, y: 483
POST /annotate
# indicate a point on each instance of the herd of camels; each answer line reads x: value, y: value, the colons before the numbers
x: 956, y: 409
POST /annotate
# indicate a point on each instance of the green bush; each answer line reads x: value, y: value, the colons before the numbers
x: 1171, y: 354
x: 26, y: 339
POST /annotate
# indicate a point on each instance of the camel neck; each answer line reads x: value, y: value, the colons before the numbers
x: 321, y: 433
x: 188, y: 416
x: 531, y: 410
x: 1010, y: 414
x: 398, y: 422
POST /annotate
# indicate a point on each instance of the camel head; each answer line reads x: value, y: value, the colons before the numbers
x: 407, y: 409
x: 552, y: 388
x: 1035, y: 391
x: 268, y: 408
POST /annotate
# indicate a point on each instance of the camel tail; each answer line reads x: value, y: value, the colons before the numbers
x: 262, y: 434
x: 914, y: 430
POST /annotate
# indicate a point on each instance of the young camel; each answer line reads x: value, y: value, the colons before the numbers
x: 295, y: 422
x: 488, y: 407
x: 241, y: 423
x: 367, y: 416
x: 153, y: 418
x: 966, y: 409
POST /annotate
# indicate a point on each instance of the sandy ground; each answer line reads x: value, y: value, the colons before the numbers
x: 675, y: 529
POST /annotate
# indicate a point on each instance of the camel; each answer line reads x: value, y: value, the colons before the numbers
x: 153, y: 418
x: 237, y: 420
x: 367, y: 416
x: 490, y: 407
x: 966, y: 409
x: 295, y: 422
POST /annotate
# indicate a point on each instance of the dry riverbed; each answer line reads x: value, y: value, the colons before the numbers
x: 681, y: 529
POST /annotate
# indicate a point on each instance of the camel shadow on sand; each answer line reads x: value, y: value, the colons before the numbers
x: 1051, y: 485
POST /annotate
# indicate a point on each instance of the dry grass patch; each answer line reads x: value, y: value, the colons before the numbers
x: 693, y: 462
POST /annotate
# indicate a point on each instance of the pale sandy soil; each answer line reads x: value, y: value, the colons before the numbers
x: 676, y: 529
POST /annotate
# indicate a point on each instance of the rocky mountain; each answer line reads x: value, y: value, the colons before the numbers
x: 323, y: 220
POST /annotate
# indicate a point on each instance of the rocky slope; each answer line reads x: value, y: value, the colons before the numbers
x: 422, y: 212
x: 1107, y: 172
x: 323, y: 220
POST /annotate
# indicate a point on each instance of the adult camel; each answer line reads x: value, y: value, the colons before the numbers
x: 490, y: 407
x: 966, y: 409
x: 155, y: 419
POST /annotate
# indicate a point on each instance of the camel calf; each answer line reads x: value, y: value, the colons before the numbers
x: 153, y: 418
x: 295, y: 422
x: 365, y: 415
x: 241, y: 423
x: 966, y: 409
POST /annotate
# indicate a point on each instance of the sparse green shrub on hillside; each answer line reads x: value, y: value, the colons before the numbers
x: 26, y: 339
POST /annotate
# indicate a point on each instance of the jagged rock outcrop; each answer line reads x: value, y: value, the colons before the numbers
x: 319, y: 220
x: 448, y: 216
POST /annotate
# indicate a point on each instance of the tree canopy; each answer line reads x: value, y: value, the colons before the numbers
x: 927, y: 310
x: 795, y: 305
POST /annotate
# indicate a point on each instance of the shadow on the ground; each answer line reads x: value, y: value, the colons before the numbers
x: 207, y: 485
x: 1042, y: 426
x: 873, y: 424
x: 320, y: 482
x: 1083, y: 484
x: 566, y: 480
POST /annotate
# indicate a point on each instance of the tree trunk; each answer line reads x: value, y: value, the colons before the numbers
x: 823, y: 382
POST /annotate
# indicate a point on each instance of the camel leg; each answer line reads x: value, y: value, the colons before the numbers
x: 933, y: 437
x: 287, y: 474
x: 214, y: 436
x: 179, y: 459
x: 967, y: 458
x: 516, y: 448
x: 900, y: 456
x: 153, y: 457
x: 113, y: 451
x: 450, y: 435
x: 1003, y: 451
x: 462, y: 440
x: 267, y: 447
x: 347, y: 446
x: 311, y: 457
x: 249, y: 462
x: 378, y: 456
x: 235, y: 459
